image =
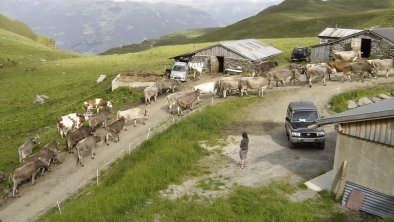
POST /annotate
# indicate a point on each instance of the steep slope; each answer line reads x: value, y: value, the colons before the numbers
x: 17, y: 27
x: 300, y: 18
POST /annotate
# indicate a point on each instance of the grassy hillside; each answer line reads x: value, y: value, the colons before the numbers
x: 176, y: 38
x: 290, y: 19
x: 301, y: 18
x: 17, y: 27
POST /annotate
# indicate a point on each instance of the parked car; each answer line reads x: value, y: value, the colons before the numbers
x: 299, y: 116
x: 300, y: 54
x: 179, y: 71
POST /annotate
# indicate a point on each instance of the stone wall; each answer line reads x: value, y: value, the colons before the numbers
x: 232, y: 63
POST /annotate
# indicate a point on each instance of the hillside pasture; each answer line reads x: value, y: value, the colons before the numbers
x: 68, y: 80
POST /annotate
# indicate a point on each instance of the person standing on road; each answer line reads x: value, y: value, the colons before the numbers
x: 243, y: 149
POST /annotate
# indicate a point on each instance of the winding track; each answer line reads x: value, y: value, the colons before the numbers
x: 66, y: 178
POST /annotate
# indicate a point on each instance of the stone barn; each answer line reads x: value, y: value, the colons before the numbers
x: 375, y: 43
x: 332, y: 34
x: 364, y: 157
x: 229, y: 55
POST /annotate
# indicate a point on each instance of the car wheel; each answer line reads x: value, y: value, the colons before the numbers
x: 321, y: 146
x: 293, y: 145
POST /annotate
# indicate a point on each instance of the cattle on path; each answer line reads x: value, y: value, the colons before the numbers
x: 172, y: 98
x: 149, y: 92
x: 259, y: 83
x: 282, y: 75
x: 87, y: 145
x: 206, y: 88
x: 382, y: 64
x: 96, y: 104
x: 301, y: 68
x: 76, y: 135
x: 318, y: 71
x: 26, y: 148
x: 25, y: 172
x: 99, y: 118
x: 187, y: 101
x: 197, y: 73
x: 134, y: 114
x: 70, y: 122
x: 228, y: 85
x: 361, y: 68
x: 167, y: 85
x: 48, y: 155
x: 338, y: 65
x: 114, y: 129
x: 264, y: 67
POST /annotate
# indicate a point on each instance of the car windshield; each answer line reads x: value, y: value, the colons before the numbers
x: 304, y: 116
x: 179, y: 68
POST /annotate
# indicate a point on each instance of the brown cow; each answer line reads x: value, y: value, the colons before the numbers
x: 114, y: 129
x: 186, y: 101
x: 264, y: 67
x: 149, y: 92
x: 48, y: 155
x: 338, y: 65
x: 167, y: 85
x: 25, y: 172
x: 76, y: 135
x: 362, y: 68
x: 87, y: 145
x: 27, y: 147
x: 99, y: 118
x: 96, y: 104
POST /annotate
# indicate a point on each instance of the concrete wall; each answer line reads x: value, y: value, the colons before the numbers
x: 369, y: 164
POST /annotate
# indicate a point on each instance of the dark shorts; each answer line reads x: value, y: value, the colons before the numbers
x: 243, y: 154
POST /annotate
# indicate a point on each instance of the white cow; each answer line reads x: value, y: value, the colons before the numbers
x: 206, y: 88
x: 347, y: 55
x: 134, y: 114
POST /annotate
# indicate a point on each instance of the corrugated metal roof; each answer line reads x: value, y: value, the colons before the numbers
x: 337, y: 33
x: 379, y: 110
x: 251, y: 49
x: 374, y: 202
x: 388, y: 33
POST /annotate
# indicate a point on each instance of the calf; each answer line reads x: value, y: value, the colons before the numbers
x: 172, y: 98
x: 301, y: 69
x: 87, y: 145
x: 70, y: 122
x: 197, y: 72
x: 25, y: 172
x: 167, y: 85
x: 282, y: 75
x: 27, y: 147
x: 99, y: 118
x: 134, y: 114
x: 76, y: 135
x: 96, y: 104
x: 187, y: 101
x: 52, y: 147
x: 362, y: 68
x: 379, y: 64
x: 114, y: 129
x: 259, y: 83
x: 226, y: 85
x: 149, y: 92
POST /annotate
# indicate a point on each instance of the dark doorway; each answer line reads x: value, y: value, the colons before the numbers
x: 221, y: 63
x: 365, y: 48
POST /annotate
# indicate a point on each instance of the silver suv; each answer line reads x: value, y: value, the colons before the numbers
x: 299, y: 116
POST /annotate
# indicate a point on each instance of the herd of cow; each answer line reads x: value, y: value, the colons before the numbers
x: 97, y: 111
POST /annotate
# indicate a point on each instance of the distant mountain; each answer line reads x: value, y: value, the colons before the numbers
x: 302, y: 18
x: 92, y: 26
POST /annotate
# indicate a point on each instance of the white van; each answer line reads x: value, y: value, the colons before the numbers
x: 179, y: 71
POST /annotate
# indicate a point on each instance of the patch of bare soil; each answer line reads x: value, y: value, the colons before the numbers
x: 132, y: 76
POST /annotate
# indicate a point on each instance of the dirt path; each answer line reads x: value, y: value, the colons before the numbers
x: 269, y: 155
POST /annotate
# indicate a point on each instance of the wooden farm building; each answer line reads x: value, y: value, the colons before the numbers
x: 375, y: 43
x: 365, y: 144
x: 230, y: 55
